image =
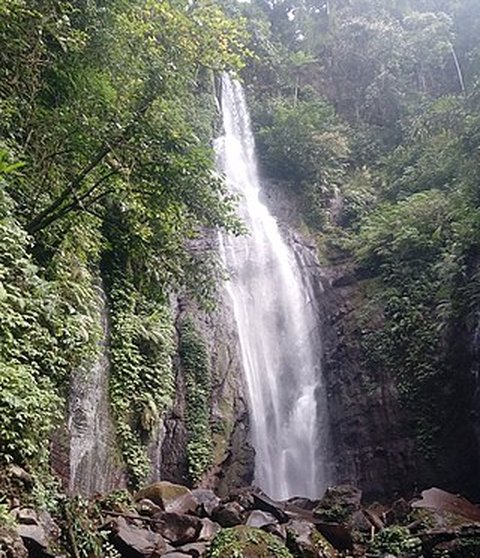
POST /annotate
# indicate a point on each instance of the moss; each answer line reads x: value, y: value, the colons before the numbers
x: 162, y: 492
x: 333, y: 514
x: 395, y: 540
x: 142, y: 379
x: 246, y: 542
x: 195, y: 362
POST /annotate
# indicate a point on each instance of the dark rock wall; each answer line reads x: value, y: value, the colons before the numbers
x: 372, y: 432
x: 233, y: 457
x: 372, y: 436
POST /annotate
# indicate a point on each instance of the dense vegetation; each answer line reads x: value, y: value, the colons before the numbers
x: 106, y: 174
x: 368, y: 114
x: 366, y: 111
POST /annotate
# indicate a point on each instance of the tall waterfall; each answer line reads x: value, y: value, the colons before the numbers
x: 277, y: 326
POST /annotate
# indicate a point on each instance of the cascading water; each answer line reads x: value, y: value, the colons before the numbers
x: 277, y: 326
x: 92, y: 467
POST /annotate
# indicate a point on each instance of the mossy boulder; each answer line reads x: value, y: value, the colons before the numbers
x: 246, y: 542
x: 163, y: 494
x: 306, y: 542
x: 339, y: 504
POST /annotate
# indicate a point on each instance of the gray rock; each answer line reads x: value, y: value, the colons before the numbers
x: 279, y: 530
x: 266, y: 504
x: 196, y: 550
x: 20, y: 474
x: 26, y: 516
x: 11, y: 545
x: 229, y: 514
x: 302, y: 503
x: 178, y: 529
x: 343, y: 500
x: 183, y: 504
x: 35, y: 539
x: 305, y: 541
x: 206, y: 500
x: 258, y: 518
x: 208, y: 530
x: 163, y: 494
x: 135, y: 542
x: 147, y: 507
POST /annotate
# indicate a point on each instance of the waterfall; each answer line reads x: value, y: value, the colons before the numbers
x: 277, y: 326
x: 92, y: 467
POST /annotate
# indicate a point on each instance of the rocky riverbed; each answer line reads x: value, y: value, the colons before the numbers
x: 173, y: 521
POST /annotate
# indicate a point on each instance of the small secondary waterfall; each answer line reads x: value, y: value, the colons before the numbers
x: 92, y: 467
x: 277, y: 326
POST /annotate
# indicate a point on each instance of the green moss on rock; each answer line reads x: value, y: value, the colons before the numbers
x: 194, y: 357
x: 246, y: 542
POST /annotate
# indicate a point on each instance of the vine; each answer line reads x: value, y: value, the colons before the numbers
x: 142, y: 380
x: 194, y: 357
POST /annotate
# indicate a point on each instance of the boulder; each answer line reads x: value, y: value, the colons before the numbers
x: 338, y: 535
x: 339, y: 504
x: 399, y: 512
x: 264, y: 503
x: 162, y: 493
x: 38, y: 531
x: 183, y: 504
x: 147, y: 507
x: 35, y: 540
x: 26, y: 516
x: 208, y: 530
x: 340, y: 518
x: 438, y: 500
x: 196, y: 550
x: 305, y: 541
x: 20, y: 474
x: 229, y: 514
x: 243, y: 496
x: 258, y: 518
x: 279, y: 530
x: 465, y: 543
x: 206, y: 500
x: 247, y: 542
x: 135, y: 542
x: 11, y: 545
x: 178, y: 529
x: 302, y: 503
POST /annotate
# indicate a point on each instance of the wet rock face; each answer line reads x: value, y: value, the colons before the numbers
x: 232, y: 463
x: 371, y: 428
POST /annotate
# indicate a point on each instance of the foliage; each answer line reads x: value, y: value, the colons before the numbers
x: 393, y: 194
x: 44, y: 325
x: 246, y: 541
x: 106, y: 117
x: 305, y: 144
x: 82, y: 535
x: 141, y: 382
x: 6, y: 518
x: 28, y: 411
x: 196, y: 366
x: 395, y: 540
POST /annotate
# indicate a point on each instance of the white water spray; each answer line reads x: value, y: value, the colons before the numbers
x: 277, y: 327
